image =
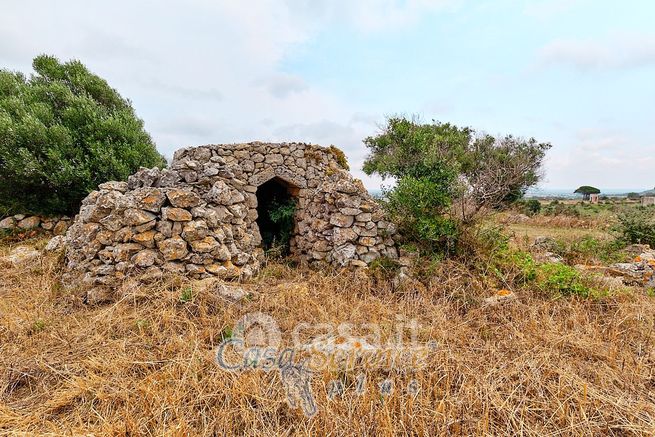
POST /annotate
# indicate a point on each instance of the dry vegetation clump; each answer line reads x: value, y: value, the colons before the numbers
x: 143, y: 364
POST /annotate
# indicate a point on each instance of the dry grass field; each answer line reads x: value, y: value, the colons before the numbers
x: 143, y: 363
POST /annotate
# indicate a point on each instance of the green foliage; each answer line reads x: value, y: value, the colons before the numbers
x: 516, y: 268
x: 633, y: 196
x: 586, y: 189
x: 227, y: 333
x: 418, y: 208
x: 513, y: 267
x: 589, y: 250
x: 37, y: 326
x: 561, y: 279
x: 637, y: 225
x: 438, y: 165
x: 406, y: 148
x: 339, y: 156
x: 62, y: 132
x: 531, y: 206
x: 490, y: 252
x: 187, y: 294
x: 556, y: 208
x: 281, y: 213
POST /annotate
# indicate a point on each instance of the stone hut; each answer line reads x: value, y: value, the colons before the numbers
x: 647, y: 200
x: 205, y: 215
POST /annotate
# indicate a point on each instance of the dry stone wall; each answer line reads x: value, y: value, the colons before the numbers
x: 199, y: 217
x: 56, y: 225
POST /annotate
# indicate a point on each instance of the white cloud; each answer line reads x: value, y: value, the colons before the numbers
x: 208, y: 71
x: 601, y: 157
x: 368, y: 15
x: 283, y: 85
x: 620, y: 51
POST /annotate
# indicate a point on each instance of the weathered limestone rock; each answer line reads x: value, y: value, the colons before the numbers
x: 183, y: 198
x: 176, y: 214
x: 113, y: 185
x: 146, y: 238
x: 29, y: 222
x: 8, y: 223
x: 342, y: 220
x: 173, y: 248
x: 205, y: 245
x: 200, y: 217
x: 21, y: 256
x: 230, y: 292
x: 55, y: 244
x: 149, y: 199
x: 195, y: 230
x: 135, y: 217
x: 145, y: 258
x: 124, y: 251
x: 639, y: 272
x: 61, y: 227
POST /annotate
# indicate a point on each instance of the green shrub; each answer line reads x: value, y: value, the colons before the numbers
x: 417, y: 207
x: 514, y: 267
x: 526, y: 265
x: 282, y: 214
x: 561, y: 279
x: 532, y: 207
x: 637, y: 226
x: 445, y: 175
x: 63, y: 131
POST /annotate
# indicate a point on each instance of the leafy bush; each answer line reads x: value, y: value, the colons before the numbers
x: 561, y: 279
x: 62, y: 132
x: 417, y: 206
x: 637, y: 226
x: 531, y: 207
x: 445, y: 175
x: 515, y: 267
x: 281, y: 213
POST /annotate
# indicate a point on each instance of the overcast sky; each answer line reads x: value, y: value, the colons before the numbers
x: 577, y: 73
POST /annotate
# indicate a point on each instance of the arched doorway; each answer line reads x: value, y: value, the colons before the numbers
x: 276, y: 206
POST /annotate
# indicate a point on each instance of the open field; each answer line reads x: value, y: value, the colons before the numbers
x: 532, y: 231
x: 568, y: 220
x: 143, y: 363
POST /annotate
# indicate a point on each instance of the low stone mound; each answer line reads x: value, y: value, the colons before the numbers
x: 200, y: 216
x: 56, y: 225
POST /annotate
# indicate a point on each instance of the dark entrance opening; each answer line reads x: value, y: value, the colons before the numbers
x: 276, y: 208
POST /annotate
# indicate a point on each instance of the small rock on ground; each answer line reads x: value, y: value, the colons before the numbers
x: 21, y: 256
x: 55, y: 244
